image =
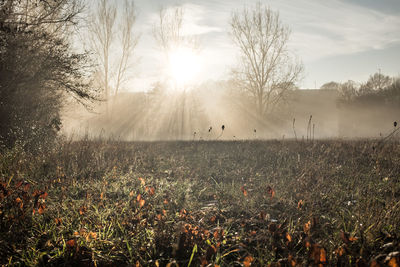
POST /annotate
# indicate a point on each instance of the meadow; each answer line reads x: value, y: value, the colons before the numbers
x: 202, y: 203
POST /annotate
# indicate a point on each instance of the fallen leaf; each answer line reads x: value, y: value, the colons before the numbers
x: 300, y: 204
x: 307, y: 227
x: 394, y: 262
x: 244, y: 191
x: 71, y: 243
x: 247, y: 261
x: 270, y: 191
x: 57, y: 221
x: 288, y: 237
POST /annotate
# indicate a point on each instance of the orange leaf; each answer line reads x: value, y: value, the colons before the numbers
x: 139, y: 197
x: 71, y: 243
x: 152, y: 191
x: 93, y: 235
x: 213, y: 218
x: 394, y: 262
x: 247, y: 261
x: 253, y: 233
x: 292, y: 261
x: 244, y: 191
x: 20, y: 202
x: 374, y: 263
x: 58, y: 221
x: 307, y: 227
x: 165, y: 201
x: 288, y: 237
x: 141, y: 202
x: 131, y: 194
x: 353, y: 238
x: 340, y: 251
x: 300, y: 204
x: 318, y: 254
x: 159, y: 217
x: 101, y: 195
x: 41, y: 208
x: 270, y: 191
x: 142, y: 181
x: 82, y: 210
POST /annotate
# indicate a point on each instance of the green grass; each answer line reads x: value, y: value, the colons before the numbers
x: 193, y: 203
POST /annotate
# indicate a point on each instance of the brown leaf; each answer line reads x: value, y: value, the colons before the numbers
x: 270, y: 191
x: 41, y: 208
x: 20, y: 202
x: 247, y: 261
x: 288, y: 237
x: 244, y: 191
x: 71, y: 243
x: 394, y: 262
x: 374, y: 263
x: 318, y: 254
x: 307, y: 227
x: 57, y: 221
x: 82, y: 210
x: 152, y: 191
x: 300, y: 204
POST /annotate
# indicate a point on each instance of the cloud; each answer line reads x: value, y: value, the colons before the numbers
x: 337, y: 28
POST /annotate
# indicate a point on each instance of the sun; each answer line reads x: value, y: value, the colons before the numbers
x: 184, y: 66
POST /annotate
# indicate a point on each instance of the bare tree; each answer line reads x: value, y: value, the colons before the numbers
x: 168, y: 30
x: 378, y: 81
x: 266, y: 70
x: 101, y: 27
x: 128, y: 42
x: 102, y: 32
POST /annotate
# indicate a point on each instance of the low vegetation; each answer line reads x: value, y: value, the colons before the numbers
x: 209, y: 203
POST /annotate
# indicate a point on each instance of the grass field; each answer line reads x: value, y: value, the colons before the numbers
x: 282, y: 203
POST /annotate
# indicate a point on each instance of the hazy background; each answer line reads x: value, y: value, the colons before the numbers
x: 336, y: 41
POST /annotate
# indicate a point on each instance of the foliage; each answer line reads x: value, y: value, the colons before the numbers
x: 37, y: 69
x: 220, y: 203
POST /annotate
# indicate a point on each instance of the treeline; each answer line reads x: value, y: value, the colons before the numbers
x: 378, y: 89
x: 368, y: 109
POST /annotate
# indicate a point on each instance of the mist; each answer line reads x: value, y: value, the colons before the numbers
x: 189, y: 115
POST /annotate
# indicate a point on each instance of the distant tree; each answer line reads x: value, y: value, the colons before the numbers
x: 378, y: 81
x: 348, y: 90
x: 103, y: 35
x: 331, y: 85
x: 266, y: 70
x: 38, y: 69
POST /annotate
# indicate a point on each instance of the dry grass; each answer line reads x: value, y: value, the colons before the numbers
x: 199, y: 203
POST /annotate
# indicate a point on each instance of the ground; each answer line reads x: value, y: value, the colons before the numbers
x: 210, y: 203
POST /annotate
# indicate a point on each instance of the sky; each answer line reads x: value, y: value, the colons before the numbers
x: 337, y: 40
